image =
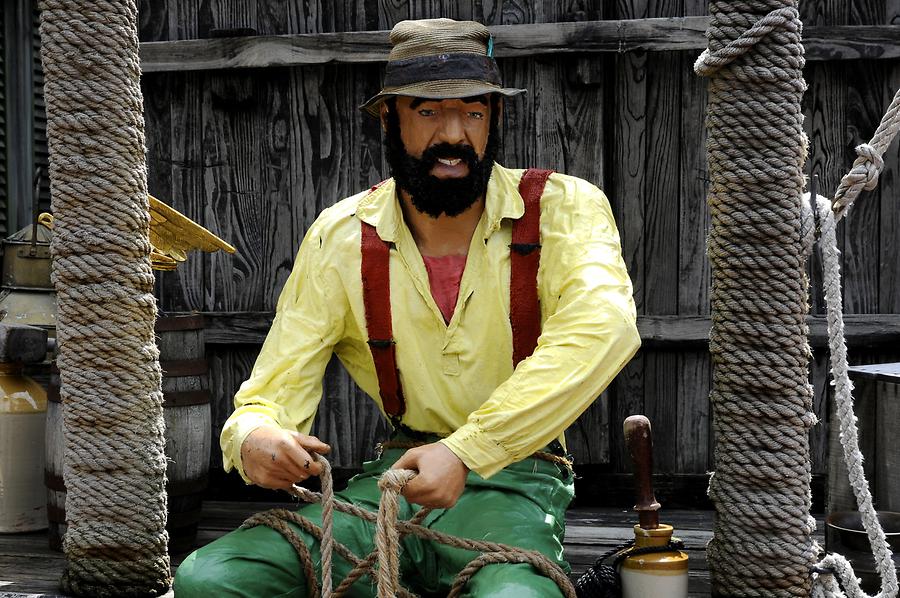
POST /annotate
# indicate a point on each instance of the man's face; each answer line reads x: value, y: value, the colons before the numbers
x: 426, y: 124
x: 441, y: 151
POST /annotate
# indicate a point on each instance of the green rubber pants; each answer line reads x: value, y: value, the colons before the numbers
x: 523, y: 505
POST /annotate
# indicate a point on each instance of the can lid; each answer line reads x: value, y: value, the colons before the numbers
x: 672, y: 562
x: 658, y: 536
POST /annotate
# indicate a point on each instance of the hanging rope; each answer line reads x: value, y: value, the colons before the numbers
x: 110, y: 378
x: 761, y: 397
x: 867, y: 167
x: 826, y: 586
x: 388, y: 531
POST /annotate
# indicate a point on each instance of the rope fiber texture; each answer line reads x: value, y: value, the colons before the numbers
x: 867, y: 167
x: 388, y: 531
x: 761, y: 397
x: 115, y: 464
x: 844, y: 582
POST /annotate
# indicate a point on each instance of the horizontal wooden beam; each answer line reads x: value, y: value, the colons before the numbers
x: 860, y: 330
x: 597, y: 487
x: 649, y: 35
x: 239, y: 327
x: 657, y: 332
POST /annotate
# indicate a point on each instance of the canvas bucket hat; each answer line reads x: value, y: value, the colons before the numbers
x: 439, y: 59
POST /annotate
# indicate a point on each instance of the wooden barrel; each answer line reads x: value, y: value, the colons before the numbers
x: 186, y: 410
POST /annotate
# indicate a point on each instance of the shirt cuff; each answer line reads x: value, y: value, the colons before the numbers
x: 240, y: 428
x: 477, y: 450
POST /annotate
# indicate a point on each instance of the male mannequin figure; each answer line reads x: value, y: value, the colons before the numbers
x: 457, y: 380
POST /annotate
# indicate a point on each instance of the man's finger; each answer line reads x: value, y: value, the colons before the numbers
x: 304, y: 463
x: 275, y: 481
x: 413, y: 490
x: 289, y: 469
x: 409, y: 460
x: 292, y: 459
x: 311, y: 443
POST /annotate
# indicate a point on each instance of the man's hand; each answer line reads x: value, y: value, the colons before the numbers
x: 277, y: 459
x: 441, y: 479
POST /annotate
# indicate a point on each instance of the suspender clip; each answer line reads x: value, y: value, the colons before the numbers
x: 524, y: 248
x: 376, y: 343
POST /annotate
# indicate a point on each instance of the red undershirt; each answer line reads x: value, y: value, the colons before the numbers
x: 444, y: 276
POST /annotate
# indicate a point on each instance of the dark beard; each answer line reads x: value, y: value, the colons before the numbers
x: 429, y: 194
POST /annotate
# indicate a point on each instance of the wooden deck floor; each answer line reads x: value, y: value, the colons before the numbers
x: 29, y: 568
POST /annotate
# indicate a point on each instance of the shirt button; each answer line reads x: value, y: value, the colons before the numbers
x: 451, y: 364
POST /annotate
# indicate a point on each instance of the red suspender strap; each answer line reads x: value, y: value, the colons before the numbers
x: 376, y: 287
x: 525, y: 257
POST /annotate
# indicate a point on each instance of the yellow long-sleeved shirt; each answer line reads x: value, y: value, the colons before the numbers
x: 457, y: 379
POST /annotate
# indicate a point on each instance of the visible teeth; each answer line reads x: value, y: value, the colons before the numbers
x: 448, y: 162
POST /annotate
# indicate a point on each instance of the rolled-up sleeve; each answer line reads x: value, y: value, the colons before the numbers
x: 285, y: 386
x: 588, y: 335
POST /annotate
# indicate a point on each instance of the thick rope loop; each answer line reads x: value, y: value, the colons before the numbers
x: 710, y: 62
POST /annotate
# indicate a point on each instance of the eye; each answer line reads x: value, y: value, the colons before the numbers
x: 426, y: 112
x: 476, y: 115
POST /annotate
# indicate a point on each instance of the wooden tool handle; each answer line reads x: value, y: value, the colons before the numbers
x: 639, y: 442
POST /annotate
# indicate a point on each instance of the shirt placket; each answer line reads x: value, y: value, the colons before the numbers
x: 415, y: 269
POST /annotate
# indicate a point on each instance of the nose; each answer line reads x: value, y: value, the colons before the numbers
x: 452, y: 130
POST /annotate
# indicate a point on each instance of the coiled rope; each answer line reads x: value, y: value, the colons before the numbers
x: 761, y: 397
x: 388, y: 531
x: 110, y: 378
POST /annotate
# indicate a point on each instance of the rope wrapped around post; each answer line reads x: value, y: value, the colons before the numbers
x: 761, y: 397
x: 388, y: 531
x: 115, y: 463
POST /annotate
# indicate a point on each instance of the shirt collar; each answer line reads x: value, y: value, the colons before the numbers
x: 502, y: 199
x: 381, y: 208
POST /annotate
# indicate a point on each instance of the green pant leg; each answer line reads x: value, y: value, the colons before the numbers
x: 260, y: 563
x: 523, y: 505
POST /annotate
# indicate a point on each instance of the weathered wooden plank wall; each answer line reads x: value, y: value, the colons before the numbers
x: 256, y: 154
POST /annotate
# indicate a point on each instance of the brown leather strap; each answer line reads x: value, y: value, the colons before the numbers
x: 525, y: 257
x: 376, y: 287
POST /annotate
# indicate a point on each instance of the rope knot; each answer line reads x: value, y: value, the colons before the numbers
x: 863, y: 175
x: 869, y: 163
x: 395, y: 479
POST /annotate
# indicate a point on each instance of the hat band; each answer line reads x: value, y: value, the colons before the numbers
x: 440, y: 67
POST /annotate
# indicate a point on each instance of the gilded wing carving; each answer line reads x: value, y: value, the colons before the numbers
x: 172, y: 235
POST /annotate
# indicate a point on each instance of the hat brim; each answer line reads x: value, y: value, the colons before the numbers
x: 437, y: 90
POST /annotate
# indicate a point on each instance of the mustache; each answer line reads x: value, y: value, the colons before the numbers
x: 447, y: 151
